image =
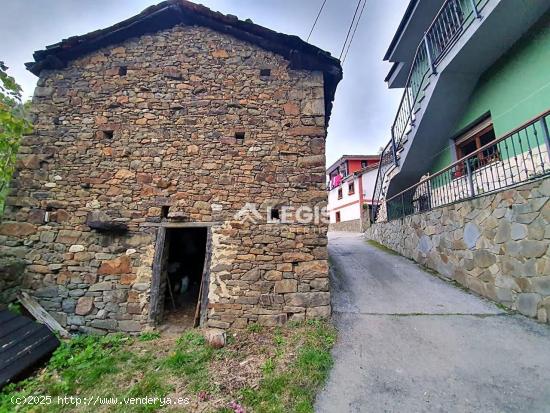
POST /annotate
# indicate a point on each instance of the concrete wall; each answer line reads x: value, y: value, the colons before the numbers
x: 496, y: 245
x: 369, y: 181
x: 348, y: 205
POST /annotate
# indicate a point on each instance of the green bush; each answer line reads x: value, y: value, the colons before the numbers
x: 14, y: 123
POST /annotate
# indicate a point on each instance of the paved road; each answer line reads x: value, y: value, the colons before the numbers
x: 410, y: 342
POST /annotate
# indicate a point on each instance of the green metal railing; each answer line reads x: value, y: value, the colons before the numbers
x: 519, y: 156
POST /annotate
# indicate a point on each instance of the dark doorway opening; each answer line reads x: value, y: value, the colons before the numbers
x: 183, y: 268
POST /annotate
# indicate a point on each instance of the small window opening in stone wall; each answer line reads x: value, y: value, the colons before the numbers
x: 265, y: 72
x: 49, y: 210
x: 164, y: 210
x: 122, y: 70
x: 239, y: 137
x: 108, y: 134
x: 275, y: 213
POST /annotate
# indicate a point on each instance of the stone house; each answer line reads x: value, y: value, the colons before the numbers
x: 150, y: 138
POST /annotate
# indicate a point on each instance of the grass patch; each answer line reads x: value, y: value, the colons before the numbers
x: 254, y: 328
x: 191, y: 358
x: 149, y: 335
x: 80, y: 366
x: 381, y: 247
x: 14, y: 308
x: 293, y: 386
x: 503, y: 307
x: 260, y: 369
x: 428, y: 270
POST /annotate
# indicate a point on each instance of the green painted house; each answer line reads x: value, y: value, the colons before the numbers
x: 475, y: 111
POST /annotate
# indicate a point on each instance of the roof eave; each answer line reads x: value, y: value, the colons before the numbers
x: 300, y: 54
x: 400, y: 28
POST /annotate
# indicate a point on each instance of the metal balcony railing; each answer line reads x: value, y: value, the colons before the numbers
x: 517, y: 157
x: 454, y: 17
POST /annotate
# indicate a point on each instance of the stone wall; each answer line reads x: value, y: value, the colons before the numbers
x: 152, y: 122
x: 354, y: 225
x: 11, y: 272
x: 347, y: 226
x: 496, y: 245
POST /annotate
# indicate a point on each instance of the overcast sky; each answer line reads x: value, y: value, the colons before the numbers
x: 363, y: 108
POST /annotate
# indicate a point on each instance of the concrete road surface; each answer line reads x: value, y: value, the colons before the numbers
x: 410, y: 342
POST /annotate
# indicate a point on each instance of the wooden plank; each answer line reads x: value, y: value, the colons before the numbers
x: 196, y: 320
x: 205, y: 282
x: 181, y: 224
x: 157, y: 275
x: 41, y: 315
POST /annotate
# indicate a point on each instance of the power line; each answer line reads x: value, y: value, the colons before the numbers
x: 354, y: 30
x: 316, y: 18
x: 349, y: 30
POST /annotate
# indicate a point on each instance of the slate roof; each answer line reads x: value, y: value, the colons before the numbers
x: 301, y: 55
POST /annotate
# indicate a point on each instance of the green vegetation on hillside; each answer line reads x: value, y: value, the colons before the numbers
x: 14, y: 124
x: 259, y: 370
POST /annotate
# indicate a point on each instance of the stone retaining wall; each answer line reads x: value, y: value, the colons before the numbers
x: 496, y: 245
x: 347, y: 226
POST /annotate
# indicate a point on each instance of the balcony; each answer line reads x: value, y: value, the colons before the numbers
x: 517, y: 157
x: 463, y: 41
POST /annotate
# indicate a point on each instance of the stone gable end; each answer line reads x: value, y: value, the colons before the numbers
x: 153, y: 126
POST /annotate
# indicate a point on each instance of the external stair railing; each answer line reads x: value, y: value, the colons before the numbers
x: 453, y: 18
x: 519, y: 156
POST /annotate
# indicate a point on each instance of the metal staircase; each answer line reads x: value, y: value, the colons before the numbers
x: 454, y: 17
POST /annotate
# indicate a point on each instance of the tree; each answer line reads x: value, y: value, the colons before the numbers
x: 14, y: 123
